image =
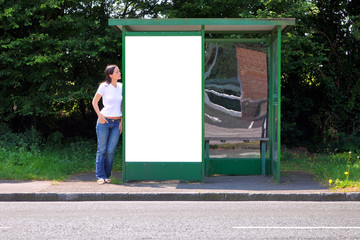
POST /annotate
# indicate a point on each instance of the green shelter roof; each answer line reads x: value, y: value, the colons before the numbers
x: 210, y: 24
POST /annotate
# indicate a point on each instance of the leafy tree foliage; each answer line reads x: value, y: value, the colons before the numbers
x: 213, y: 9
x: 321, y: 75
x: 53, y: 53
x: 142, y: 9
x: 320, y: 70
x: 52, y: 57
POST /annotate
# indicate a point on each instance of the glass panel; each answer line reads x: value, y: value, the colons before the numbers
x: 236, y: 95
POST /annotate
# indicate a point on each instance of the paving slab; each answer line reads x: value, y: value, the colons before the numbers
x: 293, y: 183
x: 23, y: 186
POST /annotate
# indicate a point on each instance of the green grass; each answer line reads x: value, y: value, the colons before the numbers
x: 50, y: 162
x: 58, y: 161
x: 338, y: 171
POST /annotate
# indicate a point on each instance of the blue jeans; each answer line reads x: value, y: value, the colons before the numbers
x: 108, y: 135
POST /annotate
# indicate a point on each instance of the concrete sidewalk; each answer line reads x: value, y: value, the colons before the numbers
x: 83, y: 187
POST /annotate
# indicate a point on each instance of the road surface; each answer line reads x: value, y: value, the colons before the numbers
x: 180, y: 220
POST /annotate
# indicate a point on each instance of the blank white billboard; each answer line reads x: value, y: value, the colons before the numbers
x: 163, y: 99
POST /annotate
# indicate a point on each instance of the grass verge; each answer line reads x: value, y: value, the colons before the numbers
x: 50, y: 162
x: 339, y: 171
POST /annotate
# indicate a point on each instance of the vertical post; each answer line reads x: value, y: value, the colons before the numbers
x: 271, y: 106
x: 207, y: 158
x: 279, y: 102
x: 263, y: 150
x: 123, y: 105
x: 204, y: 164
x: 275, y: 99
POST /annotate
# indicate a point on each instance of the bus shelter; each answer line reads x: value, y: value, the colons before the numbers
x: 201, y: 97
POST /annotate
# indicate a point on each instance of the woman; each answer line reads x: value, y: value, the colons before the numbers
x: 109, y: 123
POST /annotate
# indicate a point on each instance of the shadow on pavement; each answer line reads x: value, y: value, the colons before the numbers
x: 292, y: 181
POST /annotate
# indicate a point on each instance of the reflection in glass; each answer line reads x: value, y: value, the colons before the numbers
x: 236, y: 96
x: 234, y: 149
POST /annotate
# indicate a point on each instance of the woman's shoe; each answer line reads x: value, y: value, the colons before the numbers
x: 100, y: 181
x: 107, y: 180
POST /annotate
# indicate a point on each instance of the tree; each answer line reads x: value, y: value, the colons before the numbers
x: 53, y: 54
x: 320, y: 70
x: 321, y: 76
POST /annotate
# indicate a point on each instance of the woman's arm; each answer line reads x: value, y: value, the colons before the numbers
x: 120, y: 125
x: 95, y: 102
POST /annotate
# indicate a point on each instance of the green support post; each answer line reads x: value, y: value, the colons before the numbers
x: 271, y: 107
x: 279, y: 104
x: 263, y: 150
x: 207, y: 158
x: 123, y: 106
x: 204, y: 164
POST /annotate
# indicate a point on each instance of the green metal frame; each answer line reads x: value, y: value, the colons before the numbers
x: 192, y: 171
x: 277, y: 174
x: 239, y: 166
x: 203, y: 21
x: 271, y: 104
x: 203, y: 101
x: 275, y: 102
x: 149, y: 171
x: 123, y: 104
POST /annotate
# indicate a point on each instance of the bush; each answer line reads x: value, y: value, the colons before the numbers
x: 47, y: 162
x: 26, y: 155
x: 346, y: 142
x: 55, y: 139
x: 29, y: 140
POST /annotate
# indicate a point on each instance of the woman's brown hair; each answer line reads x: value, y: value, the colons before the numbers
x: 109, y: 70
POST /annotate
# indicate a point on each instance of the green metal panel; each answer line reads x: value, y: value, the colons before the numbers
x: 164, y: 171
x: 204, y: 21
x: 236, y: 166
x: 123, y: 104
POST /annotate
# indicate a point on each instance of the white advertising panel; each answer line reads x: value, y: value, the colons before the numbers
x: 163, y: 99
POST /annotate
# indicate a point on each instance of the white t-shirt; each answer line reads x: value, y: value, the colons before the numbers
x: 111, y: 98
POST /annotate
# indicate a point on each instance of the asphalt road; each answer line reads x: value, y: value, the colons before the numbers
x: 180, y: 220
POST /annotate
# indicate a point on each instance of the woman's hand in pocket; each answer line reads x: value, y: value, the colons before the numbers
x: 102, y: 119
